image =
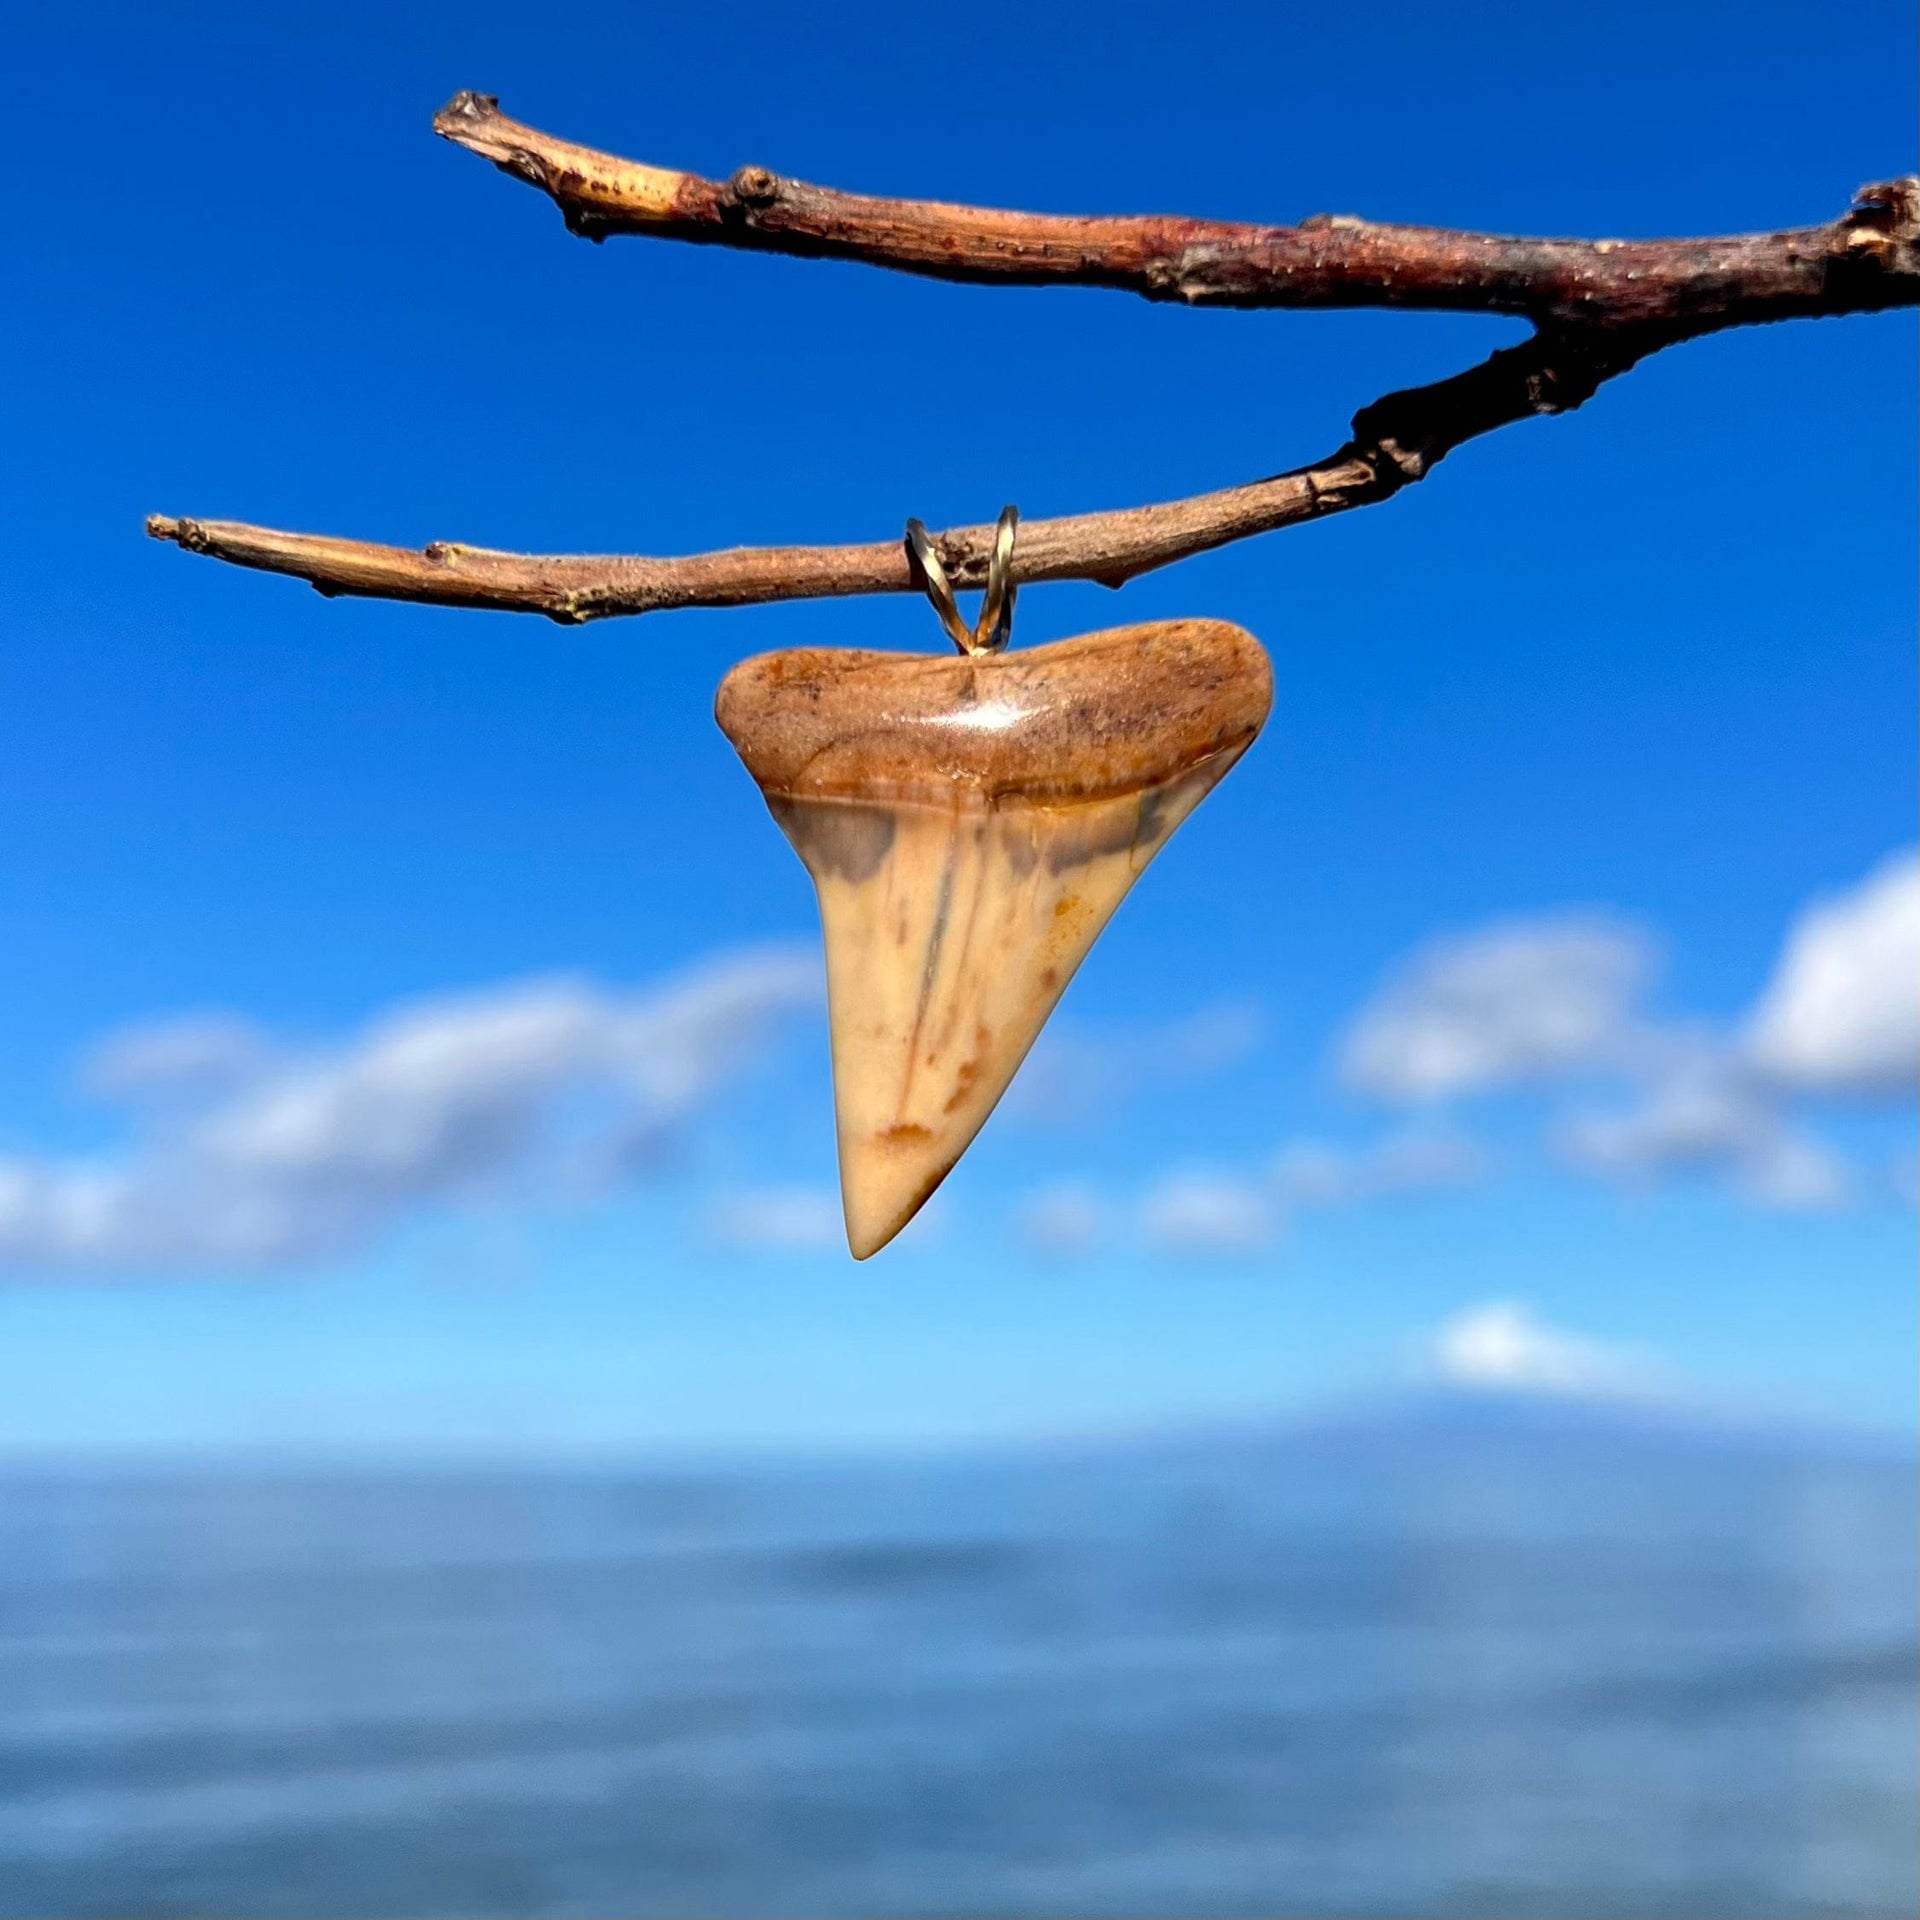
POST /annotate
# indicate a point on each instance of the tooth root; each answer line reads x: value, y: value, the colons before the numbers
x: 970, y: 826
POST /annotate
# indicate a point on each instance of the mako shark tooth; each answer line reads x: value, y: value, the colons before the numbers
x: 971, y: 823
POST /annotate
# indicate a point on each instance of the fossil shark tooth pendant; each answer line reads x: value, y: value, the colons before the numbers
x: 970, y: 824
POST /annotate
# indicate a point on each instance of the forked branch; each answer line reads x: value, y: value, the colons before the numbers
x: 1598, y: 307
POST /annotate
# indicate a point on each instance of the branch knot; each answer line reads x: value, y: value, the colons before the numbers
x: 755, y: 187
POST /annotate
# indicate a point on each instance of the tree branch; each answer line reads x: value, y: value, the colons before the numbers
x: 1598, y: 307
x: 1395, y: 441
x: 1868, y: 259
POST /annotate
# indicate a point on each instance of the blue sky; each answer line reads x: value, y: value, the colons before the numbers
x: 1488, y: 977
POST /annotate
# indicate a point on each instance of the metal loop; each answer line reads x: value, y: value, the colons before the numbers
x: 995, y: 626
x: 996, y: 610
x: 939, y: 589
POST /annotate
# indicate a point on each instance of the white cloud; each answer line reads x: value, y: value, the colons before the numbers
x: 1709, y: 1122
x: 1067, y: 1220
x: 1523, y: 1001
x: 1076, y: 1076
x: 283, y: 1155
x: 1841, y: 1014
x: 187, y: 1057
x: 1231, y: 1212
x: 1696, y: 1122
x: 1209, y: 1213
x: 1309, y: 1174
x: 1503, y: 1345
x: 780, y: 1220
x: 1796, y: 1173
x: 1306, y: 1173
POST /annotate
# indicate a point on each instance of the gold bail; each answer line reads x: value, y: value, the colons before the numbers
x: 991, y: 632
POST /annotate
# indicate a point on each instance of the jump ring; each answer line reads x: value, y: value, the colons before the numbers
x: 995, y: 626
x: 996, y: 611
x: 939, y: 589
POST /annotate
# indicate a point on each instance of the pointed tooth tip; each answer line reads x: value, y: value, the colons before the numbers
x: 865, y: 1239
x: 885, y: 1207
x: 866, y: 1235
x: 862, y: 1241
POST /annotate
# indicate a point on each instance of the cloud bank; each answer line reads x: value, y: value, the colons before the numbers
x: 248, y: 1150
x: 251, y: 1153
x: 1558, y: 1005
x: 1209, y: 1211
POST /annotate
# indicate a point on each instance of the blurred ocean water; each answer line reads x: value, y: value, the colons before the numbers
x: 1457, y: 1657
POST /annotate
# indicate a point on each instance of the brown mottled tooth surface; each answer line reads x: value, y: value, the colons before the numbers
x: 970, y: 825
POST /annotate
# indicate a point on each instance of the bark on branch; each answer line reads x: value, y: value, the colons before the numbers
x: 1598, y: 307
x: 1865, y: 260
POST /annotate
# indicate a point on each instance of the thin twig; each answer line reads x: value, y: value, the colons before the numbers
x: 1395, y: 441
x: 1853, y: 264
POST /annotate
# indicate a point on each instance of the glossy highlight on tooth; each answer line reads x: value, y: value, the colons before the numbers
x: 971, y: 823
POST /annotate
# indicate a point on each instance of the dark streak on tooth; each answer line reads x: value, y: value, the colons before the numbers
x: 935, y: 940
